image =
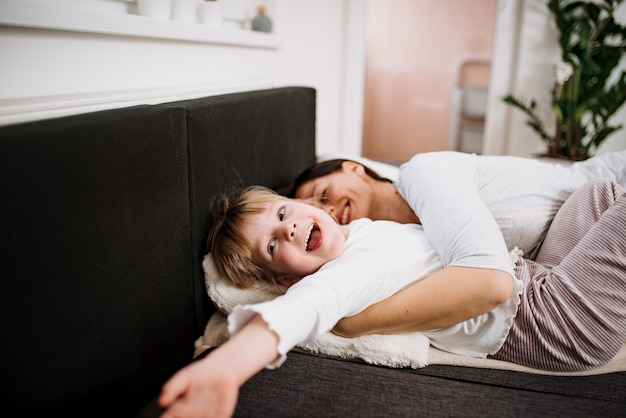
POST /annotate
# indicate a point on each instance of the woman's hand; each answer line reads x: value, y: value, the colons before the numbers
x: 445, y: 298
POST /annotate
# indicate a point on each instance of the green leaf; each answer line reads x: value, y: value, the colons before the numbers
x: 533, y: 119
x: 600, y: 136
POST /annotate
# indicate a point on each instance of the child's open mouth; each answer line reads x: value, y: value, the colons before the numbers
x: 314, y: 239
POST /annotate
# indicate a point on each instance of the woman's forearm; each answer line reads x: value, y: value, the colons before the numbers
x: 445, y: 298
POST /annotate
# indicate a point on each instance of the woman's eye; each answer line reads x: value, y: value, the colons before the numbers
x: 324, y: 196
x: 281, y: 214
x: 270, y: 247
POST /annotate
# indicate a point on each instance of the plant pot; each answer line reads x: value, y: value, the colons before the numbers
x: 211, y: 13
x: 156, y: 9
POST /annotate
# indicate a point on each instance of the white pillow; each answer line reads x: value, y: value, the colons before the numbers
x: 405, y: 350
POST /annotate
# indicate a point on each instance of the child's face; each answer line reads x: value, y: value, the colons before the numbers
x: 293, y: 238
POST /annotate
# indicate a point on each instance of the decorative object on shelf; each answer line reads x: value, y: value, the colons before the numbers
x: 156, y: 9
x: 585, y: 94
x: 184, y: 10
x: 261, y: 22
x: 211, y: 12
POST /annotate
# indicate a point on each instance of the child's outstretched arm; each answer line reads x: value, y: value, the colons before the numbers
x: 210, y: 387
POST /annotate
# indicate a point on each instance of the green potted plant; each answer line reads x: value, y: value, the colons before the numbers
x: 586, y: 93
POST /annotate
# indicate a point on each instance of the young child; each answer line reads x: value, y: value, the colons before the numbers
x: 347, y: 268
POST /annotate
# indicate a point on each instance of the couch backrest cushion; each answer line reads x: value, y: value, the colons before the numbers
x: 264, y: 137
x: 97, y: 298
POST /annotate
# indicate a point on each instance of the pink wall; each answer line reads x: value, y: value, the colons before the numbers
x: 413, y: 49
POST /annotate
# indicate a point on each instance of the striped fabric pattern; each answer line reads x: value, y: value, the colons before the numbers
x: 572, y: 314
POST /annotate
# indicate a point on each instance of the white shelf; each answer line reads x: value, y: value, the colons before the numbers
x: 48, y: 15
x: 30, y: 109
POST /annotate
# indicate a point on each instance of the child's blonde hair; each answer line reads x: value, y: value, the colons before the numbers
x: 230, y: 249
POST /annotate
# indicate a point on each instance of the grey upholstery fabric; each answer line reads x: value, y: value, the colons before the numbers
x: 306, y: 386
x: 310, y: 386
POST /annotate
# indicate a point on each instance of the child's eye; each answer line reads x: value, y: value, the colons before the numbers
x: 281, y: 213
x: 270, y: 247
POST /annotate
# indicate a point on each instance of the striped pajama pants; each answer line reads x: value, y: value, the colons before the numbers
x: 572, y: 314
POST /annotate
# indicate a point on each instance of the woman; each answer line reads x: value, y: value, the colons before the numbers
x: 475, y: 207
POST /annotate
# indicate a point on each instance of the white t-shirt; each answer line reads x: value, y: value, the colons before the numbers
x: 454, y: 192
x: 379, y: 259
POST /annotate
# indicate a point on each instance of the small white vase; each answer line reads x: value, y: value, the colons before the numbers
x: 211, y: 13
x: 156, y: 9
x: 184, y: 10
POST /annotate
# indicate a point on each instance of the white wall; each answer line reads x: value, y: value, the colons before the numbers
x: 525, y: 53
x: 73, y: 56
x: 322, y: 46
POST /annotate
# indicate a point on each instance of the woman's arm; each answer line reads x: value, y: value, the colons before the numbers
x: 444, y: 298
x: 209, y: 387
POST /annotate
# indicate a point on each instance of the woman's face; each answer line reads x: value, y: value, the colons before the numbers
x: 347, y: 193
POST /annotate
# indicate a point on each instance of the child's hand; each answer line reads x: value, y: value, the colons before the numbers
x: 200, y: 390
x: 210, y: 387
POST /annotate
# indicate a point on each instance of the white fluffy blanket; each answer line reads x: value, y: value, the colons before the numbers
x: 406, y: 350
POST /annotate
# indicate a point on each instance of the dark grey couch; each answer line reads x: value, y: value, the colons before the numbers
x: 104, y: 221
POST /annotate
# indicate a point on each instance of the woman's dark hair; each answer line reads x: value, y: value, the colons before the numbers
x: 321, y: 169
